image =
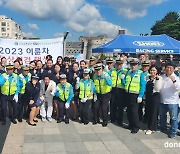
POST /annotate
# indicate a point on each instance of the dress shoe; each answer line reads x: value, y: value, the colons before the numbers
x: 85, y: 123
x: 94, y: 123
x: 59, y: 121
x: 14, y: 121
x: 66, y: 121
x: 134, y: 130
x: 31, y: 124
x: 104, y: 124
x: 3, y: 123
x: 35, y: 120
x: 20, y: 120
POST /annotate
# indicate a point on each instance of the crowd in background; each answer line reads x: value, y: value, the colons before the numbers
x: 92, y: 90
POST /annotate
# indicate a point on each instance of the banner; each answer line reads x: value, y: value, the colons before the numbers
x: 30, y: 50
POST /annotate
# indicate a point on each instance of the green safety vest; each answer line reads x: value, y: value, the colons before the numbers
x: 132, y: 85
x: 9, y: 88
x: 85, y: 91
x: 113, y: 77
x: 64, y: 94
x: 101, y: 85
x: 118, y: 78
x: 22, y: 91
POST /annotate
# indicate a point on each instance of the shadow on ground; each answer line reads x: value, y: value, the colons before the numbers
x: 3, y: 133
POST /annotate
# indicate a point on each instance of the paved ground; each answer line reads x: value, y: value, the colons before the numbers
x: 77, y: 138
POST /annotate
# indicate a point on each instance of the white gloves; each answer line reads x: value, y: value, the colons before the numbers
x: 15, y: 98
x: 77, y: 80
x: 42, y: 98
x: 83, y: 100
x: 67, y: 105
x: 106, y: 75
x: 122, y: 76
x: 6, y: 77
x: 95, y: 98
x: 139, y: 100
x: 57, y: 88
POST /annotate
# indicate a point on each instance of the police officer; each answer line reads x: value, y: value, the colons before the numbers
x: 32, y: 91
x: 86, y: 88
x: 65, y: 94
x: 25, y: 77
x: 135, y: 86
x: 9, y: 83
x: 103, y: 86
x: 120, y: 94
x: 112, y: 73
x: 145, y: 67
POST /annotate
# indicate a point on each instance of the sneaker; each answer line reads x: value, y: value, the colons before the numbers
x: 149, y: 132
x: 43, y: 119
x: 49, y: 119
x: 172, y: 135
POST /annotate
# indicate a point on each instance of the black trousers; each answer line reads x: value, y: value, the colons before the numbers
x: 4, y: 103
x: 84, y: 110
x: 113, y: 105
x: 102, y: 103
x: 132, y: 110
x: 121, y: 99
x: 22, y: 103
x: 63, y: 111
x: 153, y: 109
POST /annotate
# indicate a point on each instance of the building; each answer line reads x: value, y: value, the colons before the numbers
x: 85, y: 45
x: 93, y: 42
x: 9, y: 28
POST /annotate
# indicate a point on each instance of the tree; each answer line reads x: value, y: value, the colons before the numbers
x: 169, y: 25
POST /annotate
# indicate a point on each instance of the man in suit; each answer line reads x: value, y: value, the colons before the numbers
x: 47, y: 91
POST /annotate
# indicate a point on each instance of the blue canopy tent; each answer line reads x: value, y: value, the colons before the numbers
x: 155, y: 44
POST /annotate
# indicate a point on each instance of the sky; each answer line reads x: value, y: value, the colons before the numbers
x: 52, y: 18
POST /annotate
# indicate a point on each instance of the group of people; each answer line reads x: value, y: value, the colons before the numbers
x: 89, y: 91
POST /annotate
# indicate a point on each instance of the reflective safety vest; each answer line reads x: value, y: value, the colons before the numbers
x: 64, y: 93
x: 113, y: 77
x: 118, y: 78
x: 22, y: 91
x: 85, y: 91
x: 132, y: 85
x: 101, y: 86
x: 9, y: 88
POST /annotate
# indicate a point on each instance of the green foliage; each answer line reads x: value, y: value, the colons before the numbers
x: 169, y: 25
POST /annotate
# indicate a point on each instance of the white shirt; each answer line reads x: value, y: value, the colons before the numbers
x: 170, y: 91
x: 44, y: 94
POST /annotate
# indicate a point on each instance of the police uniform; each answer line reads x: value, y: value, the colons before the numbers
x: 86, y: 90
x: 141, y: 105
x: 103, y: 86
x: 9, y: 89
x: 65, y: 95
x: 113, y: 104
x: 120, y: 95
x: 22, y: 98
x: 134, y: 87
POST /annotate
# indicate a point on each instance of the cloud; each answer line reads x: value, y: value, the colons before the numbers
x: 132, y: 8
x: 1, y: 2
x: 33, y: 26
x: 77, y: 15
x: 58, y: 35
x: 60, y: 10
x: 82, y: 17
x: 28, y: 35
x: 99, y: 27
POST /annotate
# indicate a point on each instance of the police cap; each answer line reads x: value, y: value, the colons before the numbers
x: 63, y: 76
x: 98, y: 66
x: 134, y: 61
